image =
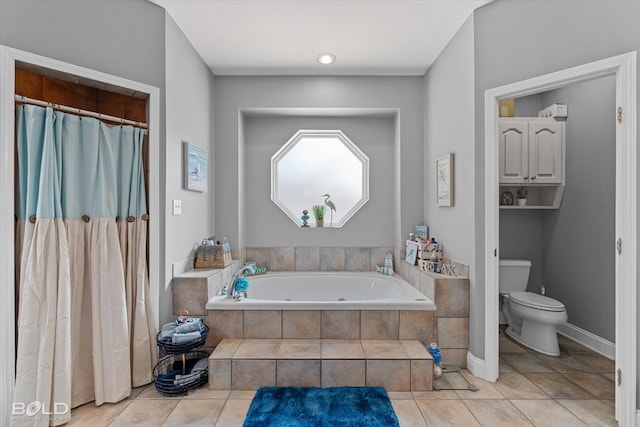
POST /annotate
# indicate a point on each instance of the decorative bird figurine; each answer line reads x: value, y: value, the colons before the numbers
x: 331, y: 206
x: 196, y: 170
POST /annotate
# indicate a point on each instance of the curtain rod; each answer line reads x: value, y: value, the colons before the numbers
x: 80, y: 111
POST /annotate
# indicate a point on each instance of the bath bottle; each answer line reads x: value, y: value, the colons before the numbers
x: 434, y: 350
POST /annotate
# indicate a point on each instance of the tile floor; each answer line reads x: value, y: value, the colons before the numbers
x: 574, y: 389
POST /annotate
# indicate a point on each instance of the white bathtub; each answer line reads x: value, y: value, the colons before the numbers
x: 326, y: 291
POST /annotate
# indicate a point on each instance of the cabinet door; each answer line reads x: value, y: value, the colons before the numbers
x: 545, y: 153
x: 514, y: 166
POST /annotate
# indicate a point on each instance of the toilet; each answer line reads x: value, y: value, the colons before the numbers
x: 531, y: 318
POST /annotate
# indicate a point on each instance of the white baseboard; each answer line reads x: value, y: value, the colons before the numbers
x: 637, y: 417
x: 589, y: 340
x: 475, y: 365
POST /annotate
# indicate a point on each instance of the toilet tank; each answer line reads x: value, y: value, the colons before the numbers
x: 514, y: 275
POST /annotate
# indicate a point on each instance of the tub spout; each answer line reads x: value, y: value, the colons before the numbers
x: 231, y: 290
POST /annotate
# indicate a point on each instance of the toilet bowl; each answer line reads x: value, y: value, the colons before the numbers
x: 531, y: 318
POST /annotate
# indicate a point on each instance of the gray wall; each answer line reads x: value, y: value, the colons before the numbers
x: 265, y: 135
x: 521, y: 237
x: 579, y: 239
x: 235, y: 150
x: 449, y: 127
x: 124, y: 38
x: 190, y: 108
x: 516, y: 40
x: 128, y: 38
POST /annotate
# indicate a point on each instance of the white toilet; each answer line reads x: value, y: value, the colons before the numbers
x: 532, y: 318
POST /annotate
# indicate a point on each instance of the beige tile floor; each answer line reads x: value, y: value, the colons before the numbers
x: 574, y: 389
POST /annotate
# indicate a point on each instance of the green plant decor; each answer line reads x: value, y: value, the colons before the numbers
x: 522, y: 193
x: 318, y: 212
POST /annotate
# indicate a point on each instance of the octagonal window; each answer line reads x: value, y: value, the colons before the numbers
x: 320, y: 167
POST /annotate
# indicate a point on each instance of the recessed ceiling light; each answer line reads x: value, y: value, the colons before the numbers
x: 326, y: 58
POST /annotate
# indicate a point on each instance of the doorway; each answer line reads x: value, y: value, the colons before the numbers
x: 10, y: 59
x: 624, y: 69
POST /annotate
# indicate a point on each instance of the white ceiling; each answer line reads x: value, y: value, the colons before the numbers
x: 283, y: 37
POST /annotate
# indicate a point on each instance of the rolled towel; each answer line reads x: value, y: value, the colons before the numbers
x: 185, y: 338
x: 185, y: 328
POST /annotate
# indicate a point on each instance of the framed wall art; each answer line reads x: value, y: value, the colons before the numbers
x: 195, y: 168
x: 444, y: 180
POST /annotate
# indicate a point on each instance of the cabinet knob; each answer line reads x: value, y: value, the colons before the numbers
x: 533, y: 177
x: 526, y: 178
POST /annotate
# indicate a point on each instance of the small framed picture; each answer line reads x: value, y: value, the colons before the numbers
x: 421, y: 232
x: 444, y: 180
x: 195, y: 168
x: 412, y: 252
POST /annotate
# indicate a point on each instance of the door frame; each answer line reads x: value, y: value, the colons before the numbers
x: 8, y: 58
x: 624, y: 68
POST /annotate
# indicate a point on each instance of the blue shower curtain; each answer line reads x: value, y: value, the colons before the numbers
x: 85, y: 327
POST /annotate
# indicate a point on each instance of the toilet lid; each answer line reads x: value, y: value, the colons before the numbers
x: 540, y: 302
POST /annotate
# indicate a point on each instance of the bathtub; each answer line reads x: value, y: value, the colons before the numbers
x: 326, y: 291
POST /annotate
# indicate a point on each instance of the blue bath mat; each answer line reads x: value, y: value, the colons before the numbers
x: 321, y: 407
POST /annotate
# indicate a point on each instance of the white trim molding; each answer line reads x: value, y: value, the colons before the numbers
x: 624, y: 68
x: 589, y: 340
x: 475, y: 365
x: 8, y: 59
x: 7, y: 231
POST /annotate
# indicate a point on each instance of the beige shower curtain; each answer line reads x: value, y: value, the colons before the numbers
x: 85, y: 327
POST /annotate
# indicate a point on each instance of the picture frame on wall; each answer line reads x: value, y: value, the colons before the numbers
x: 444, y: 180
x: 195, y: 167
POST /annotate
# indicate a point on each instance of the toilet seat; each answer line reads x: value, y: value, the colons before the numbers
x: 536, y: 301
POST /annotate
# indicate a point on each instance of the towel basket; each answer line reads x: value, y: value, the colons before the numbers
x: 182, y: 363
x: 170, y: 348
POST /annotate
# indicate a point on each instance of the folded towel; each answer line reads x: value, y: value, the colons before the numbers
x: 169, y: 376
x: 185, y: 380
x: 169, y: 326
x: 185, y: 338
x: 168, y: 333
x: 242, y: 284
x: 184, y: 328
x: 201, y: 365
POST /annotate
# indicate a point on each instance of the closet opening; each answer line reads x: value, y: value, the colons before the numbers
x: 62, y: 89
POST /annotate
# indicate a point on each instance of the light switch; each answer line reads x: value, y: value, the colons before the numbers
x: 177, y: 207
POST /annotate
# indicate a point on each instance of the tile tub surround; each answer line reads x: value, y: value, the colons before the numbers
x: 448, y: 325
x: 326, y: 324
x: 397, y: 365
x: 192, y: 289
x: 315, y: 258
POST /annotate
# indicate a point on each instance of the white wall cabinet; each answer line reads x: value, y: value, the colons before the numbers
x: 532, y: 154
x: 531, y: 151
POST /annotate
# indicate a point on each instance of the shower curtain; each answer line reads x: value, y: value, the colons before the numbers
x: 85, y: 327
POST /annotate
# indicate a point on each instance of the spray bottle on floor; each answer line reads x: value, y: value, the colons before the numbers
x: 435, y: 352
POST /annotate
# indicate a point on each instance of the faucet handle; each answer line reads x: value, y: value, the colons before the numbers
x: 223, y: 291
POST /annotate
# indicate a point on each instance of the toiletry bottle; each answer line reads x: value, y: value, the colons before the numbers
x: 434, y: 350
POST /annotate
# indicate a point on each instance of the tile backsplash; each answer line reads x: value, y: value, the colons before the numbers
x: 315, y: 258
